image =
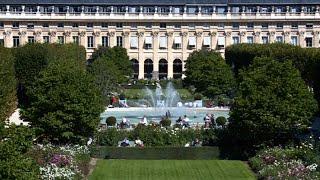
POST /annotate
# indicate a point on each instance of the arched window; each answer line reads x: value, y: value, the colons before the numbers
x: 163, y: 69
x: 148, y: 68
x: 135, y: 68
x: 177, y: 69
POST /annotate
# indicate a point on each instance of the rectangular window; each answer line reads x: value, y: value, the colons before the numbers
x: 89, y: 25
x: 279, y: 26
x: 60, y: 39
x: 148, y: 25
x: 294, y: 40
x: 250, y: 25
x: 279, y: 39
x: 177, y: 42
x: 119, y: 25
x: 75, y: 39
x: 163, y: 25
x: 31, y: 39
x: 119, y: 41
x: 206, y: 41
x: 45, y: 25
x: 16, y: 41
x: 46, y: 39
x: 148, y: 42
x: 309, y: 25
x: 178, y: 26
x: 294, y: 25
x: 309, y: 41
x: 105, y: 41
x: 163, y: 42
x: 104, y: 25
x: 75, y: 25
x: 134, y: 42
x: 60, y: 25
x: 235, y: 40
x: 264, y: 25
x: 30, y: 26
x: 1, y: 25
x: 250, y: 39
x: 192, y: 42
x: 235, y: 25
x: 265, y: 39
x: 221, y: 42
x: 220, y: 25
x: 15, y: 25
x: 90, y: 42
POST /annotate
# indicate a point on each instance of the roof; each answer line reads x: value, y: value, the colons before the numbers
x: 158, y: 2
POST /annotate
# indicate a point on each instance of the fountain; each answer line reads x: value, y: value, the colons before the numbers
x: 161, y: 102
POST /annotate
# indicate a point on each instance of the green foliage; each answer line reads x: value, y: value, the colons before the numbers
x: 165, y: 122
x: 7, y: 84
x: 197, y: 96
x: 111, y: 121
x: 15, y: 141
x: 155, y: 152
x: 106, y: 76
x: 209, y: 74
x: 221, y: 121
x: 65, y: 103
x: 272, y: 105
x: 118, y: 55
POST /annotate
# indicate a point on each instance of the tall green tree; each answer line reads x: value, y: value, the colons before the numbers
x: 207, y: 71
x: 65, y: 103
x: 118, y: 55
x: 7, y: 84
x: 272, y: 105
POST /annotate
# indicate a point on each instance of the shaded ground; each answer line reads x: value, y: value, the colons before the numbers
x: 171, y: 169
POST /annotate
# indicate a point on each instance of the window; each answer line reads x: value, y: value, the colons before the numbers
x: 221, y: 42
x: 235, y: 40
x: 148, y: 25
x: 279, y: 39
x: 60, y: 25
x: 30, y: 26
x: 294, y: 25
x: 163, y: 25
x: 265, y: 40
x: 135, y: 67
x: 60, y: 39
x: 1, y: 25
x: 206, y: 26
x: 148, y: 42
x: 105, y: 41
x: 45, y: 25
x: 235, y: 25
x: 75, y: 39
x: 177, y: 42
x: 89, y: 25
x: 119, y: 25
x: 177, y: 26
x: 1, y: 42
x: 31, y: 39
x: 309, y: 25
x: 16, y: 41
x: 104, y: 25
x: 250, y: 25
x: 309, y: 41
x: 206, y: 41
x: 119, y: 41
x: 46, y: 39
x: 163, y: 42
x: 75, y: 25
x: 15, y: 25
x: 177, y: 69
x: 90, y: 42
x: 220, y: 25
x: 294, y: 40
x: 134, y: 42
x: 192, y: 42
x: 264, y: 25
x: 279, y: 26
x: 250, y: 39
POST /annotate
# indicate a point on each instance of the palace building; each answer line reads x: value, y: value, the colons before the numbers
x: 159, y: 35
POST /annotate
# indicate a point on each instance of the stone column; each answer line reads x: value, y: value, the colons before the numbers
x: 155, y: 46
x: 126, y: 40
x: 97, y: 39
x: 199, y: 40
x: 287, y: 37
x: 170, y: 56
x: 228, y: 38
x: 257, y: 37
x: 23, y: 38
x: 8, y: 42
x: 38, y: 37
x: 185, y: 53
x: 141, y: 54
x: 243, y: 37
x: 83, y: 37
x: 302, y: 41
x: 112, y: 38
x: 53, y: 38
x: 68, y: 37
x: 316, y: 39
x: 272, y: 36
x: 213, y: 35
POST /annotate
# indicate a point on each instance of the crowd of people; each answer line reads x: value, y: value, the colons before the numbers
x: 126, y: 143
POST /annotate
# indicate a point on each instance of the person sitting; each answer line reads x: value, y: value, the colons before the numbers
x: 125, y: 123
x: 179, y: 120
x: 144, y: 121
x: 139, y: 143
x: 185, y: 121
x: 207, y: 121
x: 125, y: 142
x: 196, y: 143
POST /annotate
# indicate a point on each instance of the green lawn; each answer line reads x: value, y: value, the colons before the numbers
x: 171, y: 169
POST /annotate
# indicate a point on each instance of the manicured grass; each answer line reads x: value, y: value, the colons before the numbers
x: 171, y: 169
x: 139, y: 94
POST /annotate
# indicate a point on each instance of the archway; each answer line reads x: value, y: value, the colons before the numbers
x: 135, y: 68
x: 163, y: 69
x: 177, y: 69
x: 148, y: 68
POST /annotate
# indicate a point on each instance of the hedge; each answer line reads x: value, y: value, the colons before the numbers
x: 108, y: 152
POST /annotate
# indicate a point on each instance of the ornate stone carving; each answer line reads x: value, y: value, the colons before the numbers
x: 111, y: 33
x: 212, y: 33
x: 301, y: 33
x: 257, y: 33
x: 287, y: 33
x: 272, y: 33
x: 184, y: 34
x: 96, y: 33
x: 242, y: 33
x: 126, y: 33
x: 82, y: 33
x: 169, y: 33
x: 22, y: 33
x: 198, y: 34
x: 7, y: 33
x: 37, y: 33
x: 140, y: 34
x: 228, y: 33
x: 52, y: 33
x: 155, y: 33
x: 315, y: 33
x: 67, y: 33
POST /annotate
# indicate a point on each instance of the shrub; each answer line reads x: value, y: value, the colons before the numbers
x: 221, y: 121
x: 197, y: 96
x: 111, y: 121
x: 165, y: 122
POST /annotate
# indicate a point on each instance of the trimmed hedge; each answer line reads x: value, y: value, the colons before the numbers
x: 108, y: 152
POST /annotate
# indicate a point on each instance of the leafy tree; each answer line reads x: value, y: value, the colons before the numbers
x: 106, y: 76
x: 272, y: 105
x: 7, y: 84
x: 65, y: 103
x: 221, y: 121
x: 15, y: 141
x: 118, y: 55
x: 209, y: 74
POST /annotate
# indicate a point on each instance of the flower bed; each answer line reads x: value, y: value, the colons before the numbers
x: 287, y: 163
x: 64, y: 162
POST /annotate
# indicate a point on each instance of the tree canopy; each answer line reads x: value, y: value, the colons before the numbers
x: 272, y: 104
x: 209, y: 74
x: 65, y: 103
